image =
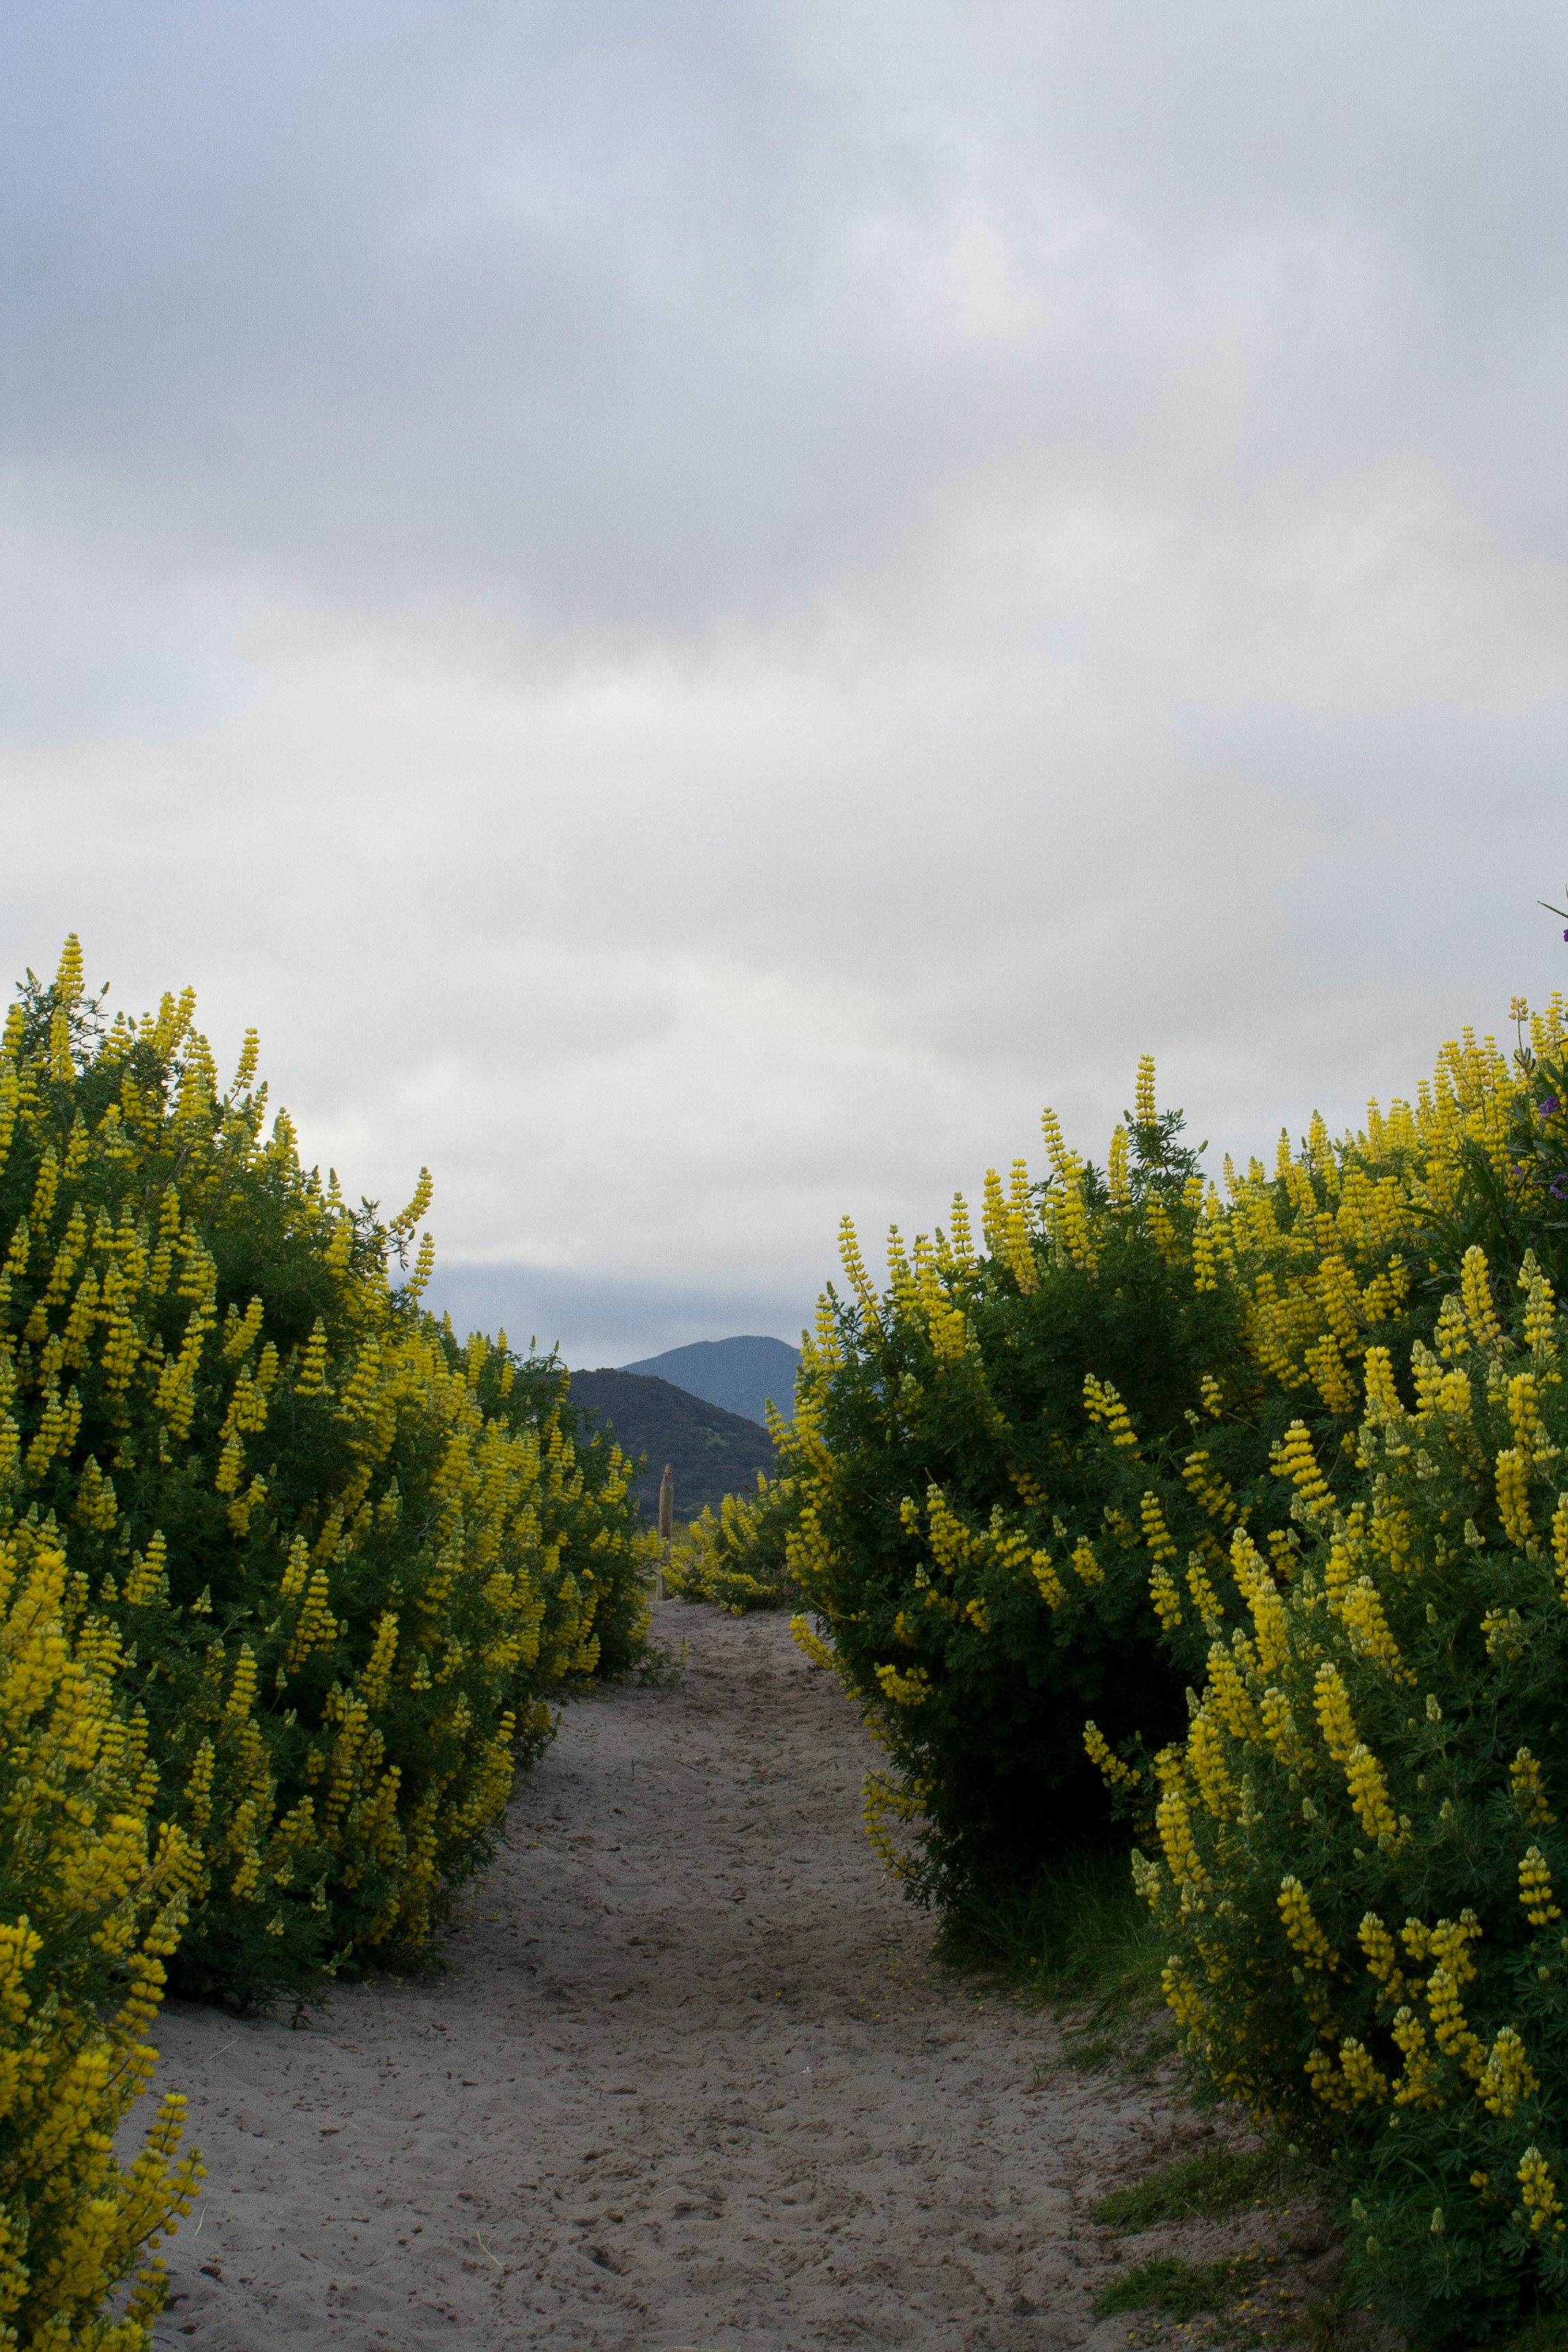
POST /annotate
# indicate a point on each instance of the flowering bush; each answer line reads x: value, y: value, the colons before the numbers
x: 1361, y: 1842
x: 93, y: 1904
x: 1002, y: 1458
x: 348, y: 1556
x: 738, y: 1557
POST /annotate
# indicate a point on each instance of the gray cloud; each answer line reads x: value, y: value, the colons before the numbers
x: 698, y: 607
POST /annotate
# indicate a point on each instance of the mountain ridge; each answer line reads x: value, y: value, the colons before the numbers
x: 738, y: 1375
x: 713, y: 1453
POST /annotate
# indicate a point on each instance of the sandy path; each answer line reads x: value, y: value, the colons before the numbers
x: 690, y: 2082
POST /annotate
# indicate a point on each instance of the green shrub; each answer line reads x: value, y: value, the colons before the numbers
x: 92, y: 1900
x: 1361, y: 1833
x: 348, y: 1557
x: 1001, y: 1458
x: 739, y: 1557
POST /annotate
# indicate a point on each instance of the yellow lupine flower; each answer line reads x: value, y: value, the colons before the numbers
x: 1106, y: 1761
x: 1513, y: 1494
x: 1293, y: 1458
x: 1352, y: 2083
x: 1053, y: 1592
x: 1507, y: 2079
x: 1475, y: 1290
x: 1363, y: 1614
x: 1450, y: 2028
x: 1116, y: 1168
x: 1535, y: 1889
x: 904, y: 1689
x: 1206, y: 1600
x: 1103, y: 1405
x: 1382, y: 1399
x: 1529, y: 1795
x: 1227, y: 1692
x: 1331, y: 1702
x: 1167, y: 1600
x: 1205, y: 1755
x: 1538, y: 2191
x: 1418, y: 2083
x: 1539, y: 1312
x: 1175, y: 1824
x: 1368, y: 1789
x: 1212, y: 1494
x: 1382, y: 1954
x: 1306, y: 1936
x: 1085, y: 1565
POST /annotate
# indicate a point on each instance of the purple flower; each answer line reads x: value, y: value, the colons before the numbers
x: 1558, y: 1188
x: 1551, y: 1107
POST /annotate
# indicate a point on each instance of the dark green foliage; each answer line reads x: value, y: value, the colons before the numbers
x: 933, y: 1470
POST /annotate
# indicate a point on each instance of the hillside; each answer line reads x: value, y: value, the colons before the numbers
x: 739, y: 1374
x: 714, y: 1453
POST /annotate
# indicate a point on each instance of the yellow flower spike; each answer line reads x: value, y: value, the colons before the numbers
x: 1261, y: 1595
x: 1206, y: 1600
x: 1507, y: 2080
x: 910, y: 1689
x: 1205, y: 1756
x: 1173, y: 1821
x: 312, y: 1381
x: 1450, y: 2029
x: 1382, y: 1399
x: 1051, y: 1588
x: 1146, y: 1110
x: 1106, y: 1762
x: 1539, y: 1314
x: 1513, y: 1495
x: 1361, y: 1613
x: 1417, y: 2084
x: 1476, y: 1293
x: 1166, y: 1601
x: 1382, y: 1955
x: 1301, y: 1929
x: 1211, y: 1493
x: 1117, y: 1181
x: 1535, y: 1889
x: 1228, y: 1694
x: 808, y: 1640
x: 1368, y: 1789
x: 1538, y: 2190
x: 1104, y: 1407
x: 1528, y: 1794
x: 1294, y: 1459
x: 1331, y: 1704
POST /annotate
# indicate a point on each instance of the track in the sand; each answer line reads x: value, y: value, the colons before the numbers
x: 690, y: 2081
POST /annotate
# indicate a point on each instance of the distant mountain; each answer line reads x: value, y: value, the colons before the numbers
x: 714, y: 1453
x: 739, y: 1374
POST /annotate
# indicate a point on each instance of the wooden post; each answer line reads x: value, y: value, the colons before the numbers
x: 666, y: 1519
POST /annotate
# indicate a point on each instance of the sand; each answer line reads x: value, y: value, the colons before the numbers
x: 691, y: 2080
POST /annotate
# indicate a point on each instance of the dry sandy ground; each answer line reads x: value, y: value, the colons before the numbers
x: 690, y: 2081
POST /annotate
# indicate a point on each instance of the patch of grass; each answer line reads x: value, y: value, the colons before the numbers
x: 1078, y: 1930
x: 1217, y: 2180
x: 1186, y: 2290
x: 658, y: 1668
x: 1089, y: 2053
x: 1549, y: 2333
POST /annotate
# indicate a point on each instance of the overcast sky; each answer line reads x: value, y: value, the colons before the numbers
x: 696, y: 608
